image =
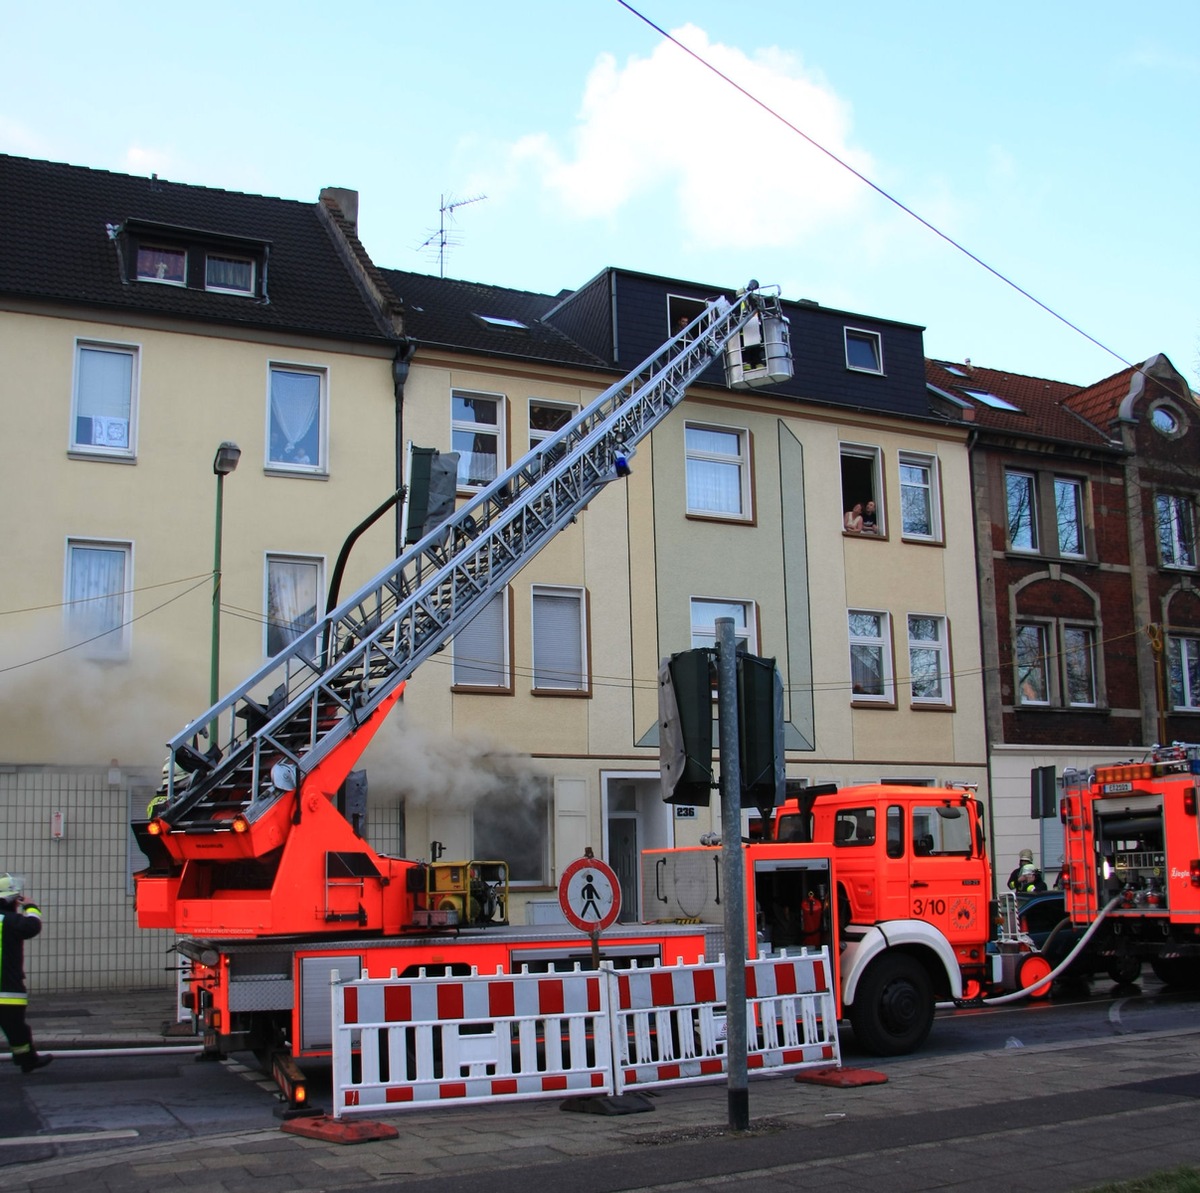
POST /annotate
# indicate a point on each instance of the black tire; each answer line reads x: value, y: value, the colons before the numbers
x: 1177, y: 971
x: 1125, y: 970
x: 893, y: 1006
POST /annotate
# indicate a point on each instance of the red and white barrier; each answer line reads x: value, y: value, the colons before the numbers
x: 669, y: 1025
x: 422, y: 1041
x: 407, y: 1042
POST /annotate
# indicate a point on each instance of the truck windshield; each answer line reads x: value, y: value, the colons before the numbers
x: 941, y: 829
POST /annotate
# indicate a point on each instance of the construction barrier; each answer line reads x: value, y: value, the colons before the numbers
x: 421, y: 1041
x: 406, y: 1042
x: 669, y: 1024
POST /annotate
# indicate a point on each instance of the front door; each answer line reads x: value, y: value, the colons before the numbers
x: 623, y: 858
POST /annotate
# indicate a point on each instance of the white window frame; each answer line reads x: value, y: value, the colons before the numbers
x: 704, y: 612
x: 296, y: 465
x: 1183, y: 656
x: 208, y: 285
x: 536, y: 434
x: 872, y: 338
x: 460, y: 426
x: 160, y: 248
x: 1030, y: 481
x: 482, y: 648
x: 1075, y: 485
x: 551, y: 675
x: 882, y: 643
x: 739, y: 459
x: 939, y: 649
x: 930, y: 487
x: 1182, y: 511
x: 108, y: 644
x: 317, y: 564
x: 110, y: 432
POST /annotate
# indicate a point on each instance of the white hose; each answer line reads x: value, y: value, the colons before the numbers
x: 1062, y: 965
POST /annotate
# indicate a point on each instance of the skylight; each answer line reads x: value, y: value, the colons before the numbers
x: 955, y: 370
x: 990, y: 399
x: 502, y: 323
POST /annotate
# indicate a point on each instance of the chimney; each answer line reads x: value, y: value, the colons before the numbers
x: 346, y: 201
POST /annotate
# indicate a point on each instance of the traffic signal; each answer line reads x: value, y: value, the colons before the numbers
x: 760, y: 733
x: 685, y: 721
x: 432, y: 488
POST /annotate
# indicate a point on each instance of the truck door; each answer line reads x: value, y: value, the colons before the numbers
x: 946, y: 872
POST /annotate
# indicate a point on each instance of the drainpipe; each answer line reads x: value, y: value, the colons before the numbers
x: 401, y: 362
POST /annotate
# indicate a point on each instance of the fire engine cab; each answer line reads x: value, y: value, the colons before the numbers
x: 1132, y: 840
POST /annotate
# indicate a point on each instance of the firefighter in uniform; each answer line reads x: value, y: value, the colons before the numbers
x: 1026, y: 878
x: 19, y: 921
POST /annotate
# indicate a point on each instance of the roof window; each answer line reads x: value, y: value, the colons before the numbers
x: 192, y: 258
x: 501, y: 322
x: 990, y: 399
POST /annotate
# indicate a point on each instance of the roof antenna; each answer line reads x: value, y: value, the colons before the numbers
x: 441, y: 238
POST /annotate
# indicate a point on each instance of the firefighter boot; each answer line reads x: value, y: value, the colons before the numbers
x: 28, y: 1061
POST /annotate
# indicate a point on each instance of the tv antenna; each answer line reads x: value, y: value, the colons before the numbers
x: 443, y: 238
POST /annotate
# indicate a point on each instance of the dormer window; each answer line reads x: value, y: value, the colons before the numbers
x: 864, y: 351
x: 156, y: 264
x: 229, y: 275
x: 192, y: 258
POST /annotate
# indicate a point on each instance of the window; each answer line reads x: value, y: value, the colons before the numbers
x: 1183, y: 668
x: 934, y: 834
x: 1079, y: 665
x: 862, y: 485
x: 1021, y: 494
x: 705, y: 613
x: 1166, y: 421
x: 991, y: 399
x: 162, y: 265
x: 515, y: 827
x: 1176, y: 530
x: 1068, y: 509
x: 864, y: 351
x: 928, y: 659
x: 481, y: 648
x: 294, y: 589
x: 1056, y: 664
x: 1033, y: 684
x: 501, y: 322
x: 98, y: 597
x: 681, y: 311
x: 475, y: 433
x: 229, y: 275
x: 854, y: 827
x: 718, y: 471
x: 920, y: 508
x: 870, y: 656
x: 559, y: 640
x: 545, y: 418
x: 296, y: 421
x: 104, y: 406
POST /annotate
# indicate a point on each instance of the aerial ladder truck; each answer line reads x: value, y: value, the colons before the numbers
x: 252, y: 864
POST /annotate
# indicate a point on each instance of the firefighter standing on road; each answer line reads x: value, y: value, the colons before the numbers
x: 1026, y: 877
x: 19, y: 921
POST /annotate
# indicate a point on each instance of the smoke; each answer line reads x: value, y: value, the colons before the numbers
x: 456, y: 772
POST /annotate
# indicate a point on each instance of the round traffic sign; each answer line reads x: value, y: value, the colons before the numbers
x: 589, y: 894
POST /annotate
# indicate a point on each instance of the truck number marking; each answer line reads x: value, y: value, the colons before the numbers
x: 1117, y: 788
x: 929, y: 907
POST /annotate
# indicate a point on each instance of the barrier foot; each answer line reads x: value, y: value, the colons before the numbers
x: 336, y: 1130
x: 842, y: 1078
x: 609, y: 1104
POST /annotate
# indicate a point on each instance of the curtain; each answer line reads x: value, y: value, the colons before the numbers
x: 295, y: 404
x: 97, y: 593
x: 291, y: 601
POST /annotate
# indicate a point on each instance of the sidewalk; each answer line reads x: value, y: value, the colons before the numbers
x: 1104, y: 1110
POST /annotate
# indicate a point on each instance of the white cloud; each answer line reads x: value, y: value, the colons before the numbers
x: 139, y: 160
x: 737, y: 176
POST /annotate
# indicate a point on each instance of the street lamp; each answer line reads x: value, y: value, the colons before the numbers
x: 224, y: 462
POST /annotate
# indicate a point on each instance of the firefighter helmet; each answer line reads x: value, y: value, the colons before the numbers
x: 1025, y: 857
x: 10, y: 887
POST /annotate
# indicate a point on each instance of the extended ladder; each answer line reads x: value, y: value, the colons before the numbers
x: 277, y: 726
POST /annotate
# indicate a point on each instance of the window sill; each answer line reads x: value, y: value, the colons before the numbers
x: 860, y: 703
x: 922, y: 542
x: 864, y: 534
x: 723, y: 519
x: 931, y: 706
x: 569, y: 693
x: 309, y: 474
x: 80, y: 453
x: 1079, y: 710
x: 463, y: 689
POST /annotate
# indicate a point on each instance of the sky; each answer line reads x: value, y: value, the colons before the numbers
x: 1054, y: 140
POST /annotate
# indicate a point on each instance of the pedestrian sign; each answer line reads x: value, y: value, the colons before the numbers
x: 589, y: 894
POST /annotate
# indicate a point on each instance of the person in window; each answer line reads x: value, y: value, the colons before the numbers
x: 869, y: 523
x: 852, y: 523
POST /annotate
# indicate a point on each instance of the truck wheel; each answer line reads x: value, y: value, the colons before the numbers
x: 893, y: 1008
x: 1176, y: 971
x: 1125, y: 970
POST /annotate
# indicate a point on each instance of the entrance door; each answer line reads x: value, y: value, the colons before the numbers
x: 623, y: 858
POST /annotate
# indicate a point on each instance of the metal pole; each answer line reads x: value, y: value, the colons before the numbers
x: 734, y: 867
x: 214, y: 684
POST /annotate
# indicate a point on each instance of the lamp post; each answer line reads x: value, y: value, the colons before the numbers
x: 224, y: 462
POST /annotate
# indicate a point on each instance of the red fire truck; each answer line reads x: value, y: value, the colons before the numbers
x: 1132, y: 845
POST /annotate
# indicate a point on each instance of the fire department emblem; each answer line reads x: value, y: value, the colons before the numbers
x: 962, y: 914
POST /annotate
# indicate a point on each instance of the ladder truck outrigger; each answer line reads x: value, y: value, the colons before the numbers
x: 252, y: 863
x: 1132, y: 860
